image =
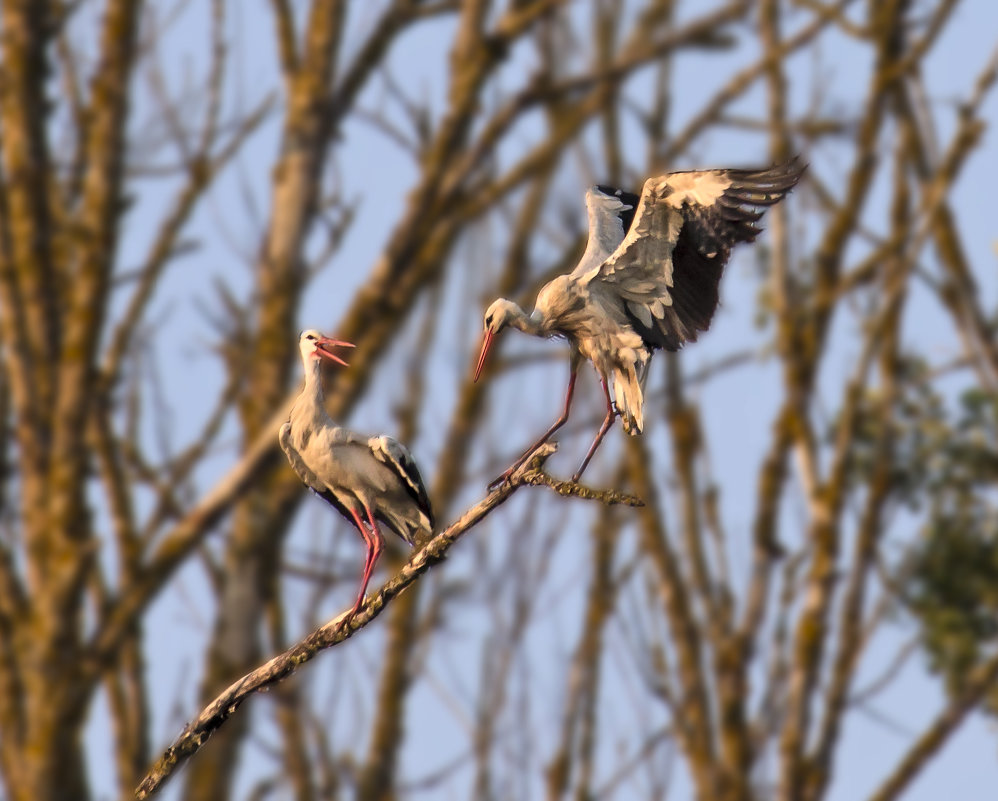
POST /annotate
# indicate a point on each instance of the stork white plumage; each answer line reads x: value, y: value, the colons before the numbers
x: 648, y: 279
x: 366, y: 479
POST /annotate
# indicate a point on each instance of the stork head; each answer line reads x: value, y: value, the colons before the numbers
x: 497, y: 316
x: 314, y: 345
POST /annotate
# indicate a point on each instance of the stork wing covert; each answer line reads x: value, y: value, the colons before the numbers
x: 394, y: 454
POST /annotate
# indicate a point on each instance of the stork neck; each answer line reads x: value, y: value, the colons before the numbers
x: 309, y: 411
x: 528, y: 323
x: 313, y: 380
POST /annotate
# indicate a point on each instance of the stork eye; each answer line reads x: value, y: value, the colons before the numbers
x: 310, y: 336
x: 488, y: 321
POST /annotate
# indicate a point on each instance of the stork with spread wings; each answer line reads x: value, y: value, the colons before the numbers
x: 648, y: 279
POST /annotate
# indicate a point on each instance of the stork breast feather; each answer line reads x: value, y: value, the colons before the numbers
x: 297, y: 462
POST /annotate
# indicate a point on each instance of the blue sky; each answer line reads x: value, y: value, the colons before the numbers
x: 367, y: 166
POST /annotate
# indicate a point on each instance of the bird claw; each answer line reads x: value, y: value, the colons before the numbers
x: 547, y: 448
x: 353, y: 612
x: 349, y: 618
x: 496, y: 483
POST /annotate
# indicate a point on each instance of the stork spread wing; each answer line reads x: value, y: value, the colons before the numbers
x: 394, y: 454
x: 611, y: 212
x: 666, y: 270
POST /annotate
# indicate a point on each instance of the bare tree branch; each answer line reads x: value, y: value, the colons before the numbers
x: 341, y: 627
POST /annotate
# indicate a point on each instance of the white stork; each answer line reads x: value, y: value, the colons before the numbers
x: 366, y: 479
x: 648, y: 279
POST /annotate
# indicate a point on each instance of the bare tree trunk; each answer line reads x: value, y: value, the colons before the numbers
x: 46, y: 277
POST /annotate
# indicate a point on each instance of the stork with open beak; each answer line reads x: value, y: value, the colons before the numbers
x: 648, y: 279
x: 368, y: 480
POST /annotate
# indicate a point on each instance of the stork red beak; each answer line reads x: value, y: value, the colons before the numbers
x: 323, y: 348
x: 486, y: 345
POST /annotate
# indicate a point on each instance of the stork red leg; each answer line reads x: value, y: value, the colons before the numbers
x: 373, y: 543
x: 611, y: 415
x: 547, y: 434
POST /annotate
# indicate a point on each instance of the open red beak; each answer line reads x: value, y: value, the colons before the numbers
x: 323, y: 348
x: 486, y: 344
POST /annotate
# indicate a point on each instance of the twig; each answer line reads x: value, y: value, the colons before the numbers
x: 610, y: 497
x: 979, y: 681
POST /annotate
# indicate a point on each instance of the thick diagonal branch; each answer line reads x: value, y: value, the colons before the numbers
x: 342, y: 627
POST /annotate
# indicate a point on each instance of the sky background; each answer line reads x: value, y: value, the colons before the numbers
x: 370, y: 168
